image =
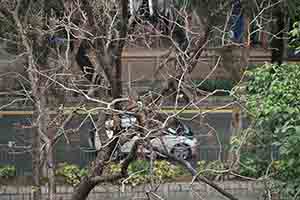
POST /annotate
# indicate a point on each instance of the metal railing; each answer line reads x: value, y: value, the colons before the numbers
x: 22, y: 159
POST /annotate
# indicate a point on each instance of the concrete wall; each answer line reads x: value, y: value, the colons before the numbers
x: 245, y: 190
x: 140, y: 65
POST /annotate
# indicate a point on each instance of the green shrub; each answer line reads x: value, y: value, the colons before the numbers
x: 139, y: 171
x: 249, y: 167
x: 295, y: 37
x: 163, y: 170
x: 8, y: 171
x: 71, y: 173
x: 201, y: 165
x: 272, y: 98
x: 210, y: 169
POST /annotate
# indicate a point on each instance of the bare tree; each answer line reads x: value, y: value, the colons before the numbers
x: 30, y: 21
x: 75, y: 47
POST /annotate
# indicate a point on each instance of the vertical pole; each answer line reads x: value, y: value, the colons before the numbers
x: 151, y: 7
x: 129, y: 78
x: 131, y: 6
x: 236, y: 127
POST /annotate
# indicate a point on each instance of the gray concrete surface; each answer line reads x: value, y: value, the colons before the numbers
x: 172, y: 191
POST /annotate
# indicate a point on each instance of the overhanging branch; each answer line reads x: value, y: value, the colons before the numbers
x: 124, y: 168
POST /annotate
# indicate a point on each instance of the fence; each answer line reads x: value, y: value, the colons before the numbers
x: 21, y: 157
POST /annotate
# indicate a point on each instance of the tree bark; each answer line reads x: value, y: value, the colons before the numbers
x: 32, y: 73
x: 277, y: 43
x: 83, y: 189
x: 117, y: 79
x: 36, y: 170
x: 51, y: 172
x: 41, y: 116
x: 86, y: 185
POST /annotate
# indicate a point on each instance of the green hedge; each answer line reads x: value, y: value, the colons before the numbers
x: 208, y: 85
x: 212, y: 85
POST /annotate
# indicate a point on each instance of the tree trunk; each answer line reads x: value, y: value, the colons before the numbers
x: 113, y: 70
x: 83, y: 189
x: 51, y: 172
x: 117, y: 78
x: 277, y: 43
x: 36, y: 170
x: 86, y: 185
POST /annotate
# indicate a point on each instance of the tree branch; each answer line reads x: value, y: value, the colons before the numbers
x: 194, y: 173
x: 124, y: 168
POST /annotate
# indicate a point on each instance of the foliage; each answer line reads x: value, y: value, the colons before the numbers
x: 139, y: 171
x: 201, y: 165
x: 295, y: 37
x: 71, y: 173
x: 251, y: 166
x: 293, y: 7
x: 273, y: 100
x: 7, y: 171
x: 164, y: 170
x: 210, y: 169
